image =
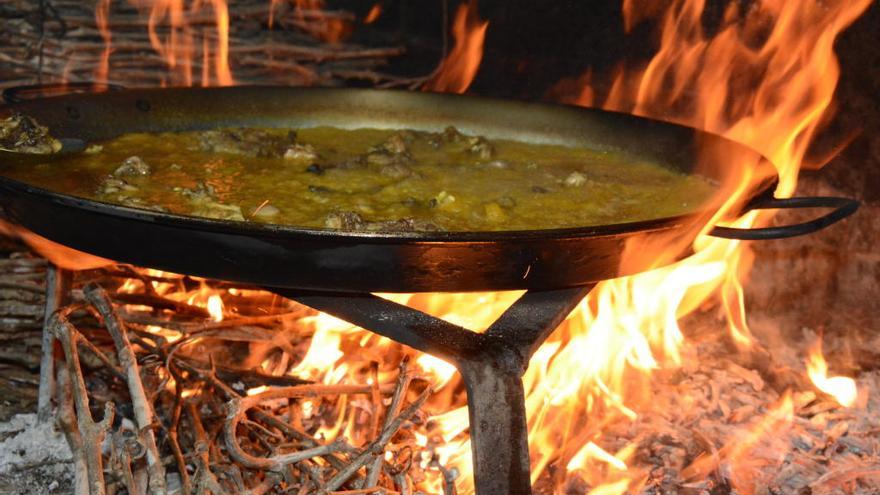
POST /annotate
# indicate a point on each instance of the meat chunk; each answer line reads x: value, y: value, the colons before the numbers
x: 301, y: 153
x: 398, y: 143
x: 575, y: 179
x: 23, y: 134
x: 262, y: 143
x: 451, y: 137
x: 396, y: 171
x: 403, y: 225
x: 344, y: 220
x: 393, y: 155
x: 352, y: 222
x: 205, y: 203
x: 119, y: 191
x: 133, y: 166
x: 481, y: 147
x: 112, y: 185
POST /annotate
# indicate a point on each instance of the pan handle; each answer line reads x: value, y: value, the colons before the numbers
x: 842, y: 208
x: 18, y: 94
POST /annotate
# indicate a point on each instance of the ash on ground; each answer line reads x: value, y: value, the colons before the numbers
x: 34, y: 457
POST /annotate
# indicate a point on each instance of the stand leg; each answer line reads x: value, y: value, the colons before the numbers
x: 491, y: 364
x: 498, y: 429
x: 57, y: 287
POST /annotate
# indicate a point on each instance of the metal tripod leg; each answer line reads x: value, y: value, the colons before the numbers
x: 491, y: 364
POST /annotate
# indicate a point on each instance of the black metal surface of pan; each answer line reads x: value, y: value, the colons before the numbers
x: 315, y: 259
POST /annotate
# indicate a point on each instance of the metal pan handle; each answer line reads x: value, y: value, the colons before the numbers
x: 842, y: 208
x: 18, y: 94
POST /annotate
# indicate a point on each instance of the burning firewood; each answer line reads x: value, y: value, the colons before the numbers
x: 165, y: 418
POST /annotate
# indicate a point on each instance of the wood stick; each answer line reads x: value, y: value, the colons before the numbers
x: 36, y: 289
x: 173, y: 437
x: 92, y: 433
x: 375, y: 400
x: 98, y: 353
x: 271, y: 420
x: 203, y: 479
x: 376, y: 447
x: 376, y: 490
x: 404, y: 483
x: 143, y: 409
x: 194, y: 327
x: 237, y: 408
x: 121, y: 460
x: 159, y: 302
x: 57, y: 287
x: 403, y: 380
x: 66, y: 420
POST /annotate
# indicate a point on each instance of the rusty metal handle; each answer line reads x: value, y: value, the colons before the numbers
x: 842, y: 208
x: 18, y: 94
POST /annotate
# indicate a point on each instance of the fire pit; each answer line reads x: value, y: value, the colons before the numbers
x: 558, y: 269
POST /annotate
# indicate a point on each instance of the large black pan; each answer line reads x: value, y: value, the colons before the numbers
x: 377, y: 262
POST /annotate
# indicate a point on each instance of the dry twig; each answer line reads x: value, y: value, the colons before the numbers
x: 143, y: 409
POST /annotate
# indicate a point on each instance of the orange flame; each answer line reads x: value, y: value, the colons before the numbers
x: 765, y: 79
x: 320, y: 25
x: 458, y: 69
x: 60, y: 255
x: 102, y: 20
x: 215, y: 307
x: 842, y: 388
x: 173, y: 36
x: 373, y: 14
x: 221, y: 58
x: 769, y: 90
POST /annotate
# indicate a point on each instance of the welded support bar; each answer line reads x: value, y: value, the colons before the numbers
x: 400, y: 323
x: 492, y: 365
x: 532, y: 318
x: 58, y: 282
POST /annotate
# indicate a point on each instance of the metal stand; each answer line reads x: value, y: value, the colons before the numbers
x: 492, y: 365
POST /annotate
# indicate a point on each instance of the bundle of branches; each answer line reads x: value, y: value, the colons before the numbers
x: 190, y: 404
x: 21, y: 315
x: 116, y: 42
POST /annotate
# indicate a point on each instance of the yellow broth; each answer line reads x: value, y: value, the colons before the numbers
x: 446, y: 182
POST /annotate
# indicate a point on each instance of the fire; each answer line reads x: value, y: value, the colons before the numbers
x: 215, y: 307
x: 373, y: 14
x: 324, y: 350
x: 257, y: 390
x: 319, y: 23
x: 697, y: 80
x: 754, y: 447
x: 592, y: 451
x: 176, y: 38
x: 441, y: 371
x: 102, y: 19
x: 457, y: 71
x: 60, y: 255
x: 842, y: 388
x: 766, y: 79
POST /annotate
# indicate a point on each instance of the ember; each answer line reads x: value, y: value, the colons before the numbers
x: 167, y: 383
